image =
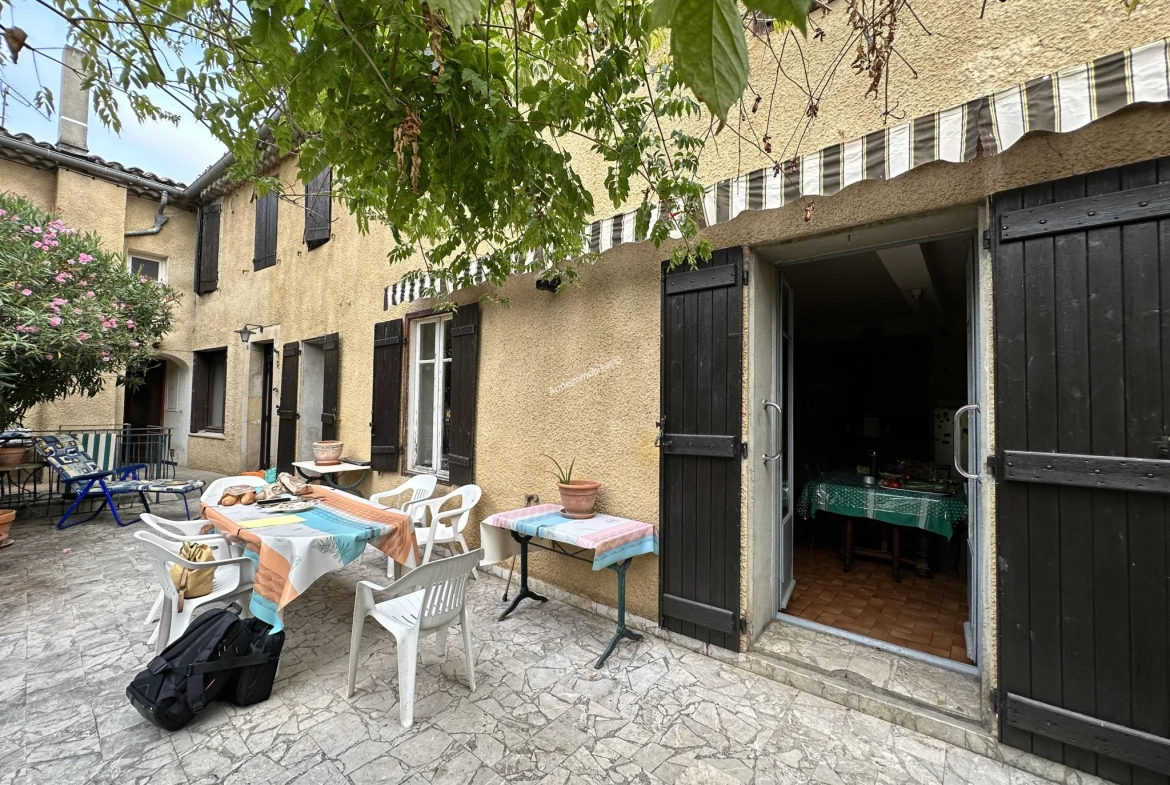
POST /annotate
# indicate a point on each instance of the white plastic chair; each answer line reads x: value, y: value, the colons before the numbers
x: 439, y: 532
x: 214, y: 492
x: 421, y: 487
x: 426, y: 600
x: 180, y: 532
x: 233, y: 579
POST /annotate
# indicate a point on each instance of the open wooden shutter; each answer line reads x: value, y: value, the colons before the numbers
x: 329, y: 395
x: 199, y: 397
x: 319, y: 209
x: 464, y: 367
x: 286, y: 437
x: 387, y: 398
x: 265, y: 231
x: 207, y: 250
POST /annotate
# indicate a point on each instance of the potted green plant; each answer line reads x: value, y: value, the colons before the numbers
x: 578, y: 497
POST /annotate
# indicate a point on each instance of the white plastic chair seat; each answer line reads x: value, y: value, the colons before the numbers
x: 400, y: 614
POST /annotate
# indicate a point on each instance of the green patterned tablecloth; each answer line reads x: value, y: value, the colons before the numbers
x: 844, y: 493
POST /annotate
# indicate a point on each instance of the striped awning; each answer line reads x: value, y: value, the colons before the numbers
x: 1060, y: 102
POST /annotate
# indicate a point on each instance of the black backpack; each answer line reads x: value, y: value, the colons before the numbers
x: 204, y: 662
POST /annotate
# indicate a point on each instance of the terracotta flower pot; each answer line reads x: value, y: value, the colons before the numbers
x: 11, y: 456
x: 6, y: 518
x: 327, y: 452
x: 578, y: 498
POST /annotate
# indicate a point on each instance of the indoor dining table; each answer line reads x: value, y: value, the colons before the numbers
x: 291, y: 550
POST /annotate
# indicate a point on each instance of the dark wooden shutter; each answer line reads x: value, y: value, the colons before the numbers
x: 464, y: 374
x: 700, y: 468
x: 199, y: 389
x: 319, y: 209
x: 266, y: 208
x: 1082, y: 386
x: 286, y: 437
x: 329, y: 396
x: 387, y: 396
x: 207, y: 250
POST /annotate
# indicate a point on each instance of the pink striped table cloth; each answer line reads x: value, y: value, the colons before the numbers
x: 612, y: 539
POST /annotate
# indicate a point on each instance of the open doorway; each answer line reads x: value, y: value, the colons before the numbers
x: 874, y: 367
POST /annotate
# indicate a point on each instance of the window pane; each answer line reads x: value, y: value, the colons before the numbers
x: 426, y: 344
x: 217, y: 392
x: 424, y: 443
x: 147, y: 267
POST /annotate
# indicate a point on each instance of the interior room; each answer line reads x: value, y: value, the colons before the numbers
x: 879, y: 367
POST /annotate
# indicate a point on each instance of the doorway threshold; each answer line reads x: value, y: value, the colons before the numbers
x: 944, y: 686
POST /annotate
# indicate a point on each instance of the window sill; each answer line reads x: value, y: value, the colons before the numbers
x: 439, y: 478
x: 207, y: 435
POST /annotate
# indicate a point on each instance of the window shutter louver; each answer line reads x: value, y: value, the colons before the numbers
x: 387, y: 396
x: 464, y: 375
x: 199, y: 397
x: 329, y: 395
x: 286, y: 436
x: 319, y: 209
x: 207, y: 250
x: 265, y: 248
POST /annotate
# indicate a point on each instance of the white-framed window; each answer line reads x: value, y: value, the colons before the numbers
x: 152, y: 267
x: 428, y: 433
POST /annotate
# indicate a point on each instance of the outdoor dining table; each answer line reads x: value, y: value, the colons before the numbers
x: 614, y: 541
x: 292, y: 550
x: 844, y: 492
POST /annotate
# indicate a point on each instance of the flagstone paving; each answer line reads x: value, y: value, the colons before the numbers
x: 72, y: 606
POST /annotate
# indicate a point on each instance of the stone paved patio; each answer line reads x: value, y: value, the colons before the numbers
x: 71, y: 637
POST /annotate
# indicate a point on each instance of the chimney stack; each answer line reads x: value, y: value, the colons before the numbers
x: 73, y: 105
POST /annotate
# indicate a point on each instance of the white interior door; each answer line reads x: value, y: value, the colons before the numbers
x: 780, y: 461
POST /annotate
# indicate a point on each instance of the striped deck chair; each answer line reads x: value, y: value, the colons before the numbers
x: 81, y: 474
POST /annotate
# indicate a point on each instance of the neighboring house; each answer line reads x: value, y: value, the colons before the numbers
x: 1000, y: 249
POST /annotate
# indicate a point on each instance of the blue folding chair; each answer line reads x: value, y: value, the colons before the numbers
x: 83, y: 477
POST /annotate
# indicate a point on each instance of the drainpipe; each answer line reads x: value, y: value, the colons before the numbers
x: 159, y: 220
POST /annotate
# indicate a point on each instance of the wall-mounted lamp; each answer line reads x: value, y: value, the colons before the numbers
x: 245, y: 333
x: 550, y: 285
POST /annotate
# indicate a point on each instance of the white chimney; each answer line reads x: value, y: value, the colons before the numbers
x: 73, y: 105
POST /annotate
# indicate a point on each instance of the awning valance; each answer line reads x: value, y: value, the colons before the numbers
x: 1060, y: 102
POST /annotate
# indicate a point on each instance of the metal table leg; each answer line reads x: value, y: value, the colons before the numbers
x: 524, y: 591
x: 622, y: 630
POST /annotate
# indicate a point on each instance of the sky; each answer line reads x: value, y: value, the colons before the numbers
x: 179, y: 152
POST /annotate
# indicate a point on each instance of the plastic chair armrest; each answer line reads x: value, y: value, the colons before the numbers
x: 448, y: 514
x: 377, y: 497
x: 403, y: 585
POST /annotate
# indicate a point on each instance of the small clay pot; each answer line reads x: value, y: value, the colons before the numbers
x: 578, y: 498
x: 11, y: 455
x: 6, y: 518
x: 327, y: 452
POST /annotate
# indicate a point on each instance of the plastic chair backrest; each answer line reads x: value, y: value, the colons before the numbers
x: 213, y: 492
x: 171, y: 530
x: 469, y: 496
x: 161, y: 554
x: 444, y: 585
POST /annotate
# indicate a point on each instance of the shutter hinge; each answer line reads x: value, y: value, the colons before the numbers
x: 743, y: 449
x: 467, y: 329
x: 745, y: 276
x: 743, y: 625
x: 994, y: 699
x: 993, y: 466
x: 987, y: 239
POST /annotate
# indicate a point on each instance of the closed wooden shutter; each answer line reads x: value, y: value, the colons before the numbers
x: 387, y: 397
x: 319, y: 209
x: 199, y: 396
x: 207, y: 250
x: 266, y: 208
x: 329, y: 395
x: 464, y: 367
x: 286, y: 437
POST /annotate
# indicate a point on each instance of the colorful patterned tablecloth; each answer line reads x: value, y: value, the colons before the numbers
x: 291, y: 550
x: 843, y: 492
x: 612, y: 539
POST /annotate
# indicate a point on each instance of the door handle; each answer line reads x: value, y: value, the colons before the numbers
x: 779, y: 412
x: 956, y: 441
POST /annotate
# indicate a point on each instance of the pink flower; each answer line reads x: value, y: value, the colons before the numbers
x: 83, y: 337
x: 89, y: 294
x: 77, y: 311
x: 37, y: 230
x: 142, y: 279
x: 59, y: 301
x: 130, y: 324
x: 84, y: 258
x: 38, y: 244
x: 48, y: 356
x: 62, y: 277
x: 27, y: 328
x: 134, y: 344
x: 55, y: 321
x: 26, y: 292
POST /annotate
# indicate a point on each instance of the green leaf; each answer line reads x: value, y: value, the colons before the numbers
x: 709, y: 51
x: 662, y: 13
x: 788, y: 12
x: 458, y: 13
x: 604, y: 11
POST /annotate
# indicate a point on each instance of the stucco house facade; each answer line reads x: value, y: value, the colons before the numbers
x: 964, y: 233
